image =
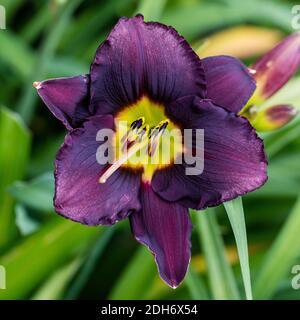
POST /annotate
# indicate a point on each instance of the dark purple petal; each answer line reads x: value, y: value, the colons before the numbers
x: 140, y: 58
x: 229, y: 83
x: 78, y: 194
x: 66, y: 98
x: 276, y: 67
x: 234, y: 158
x: 165, y: 228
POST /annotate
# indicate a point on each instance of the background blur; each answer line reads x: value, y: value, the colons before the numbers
x: 48, y: 257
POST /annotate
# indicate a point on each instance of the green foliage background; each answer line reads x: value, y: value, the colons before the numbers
x: 48, y: 257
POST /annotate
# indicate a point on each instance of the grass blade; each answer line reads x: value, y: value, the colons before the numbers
x: 220, y: 274
x: 89, y: 264
x: 53, y: 289
x: 195, y: 285
x: 152, y: 10
x: 280, y: 258
x: 235, y: 212
x: 14, y: 152
x: 30, y: 262
x: 203, y: 16
x: 17, y: 54
x: 37, y: 194
x: 284, y: 137
x: 138, y: 275
x: 26, y: 103
x: 25, y: 223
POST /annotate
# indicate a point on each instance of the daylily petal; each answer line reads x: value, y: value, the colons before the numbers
x: 165, y: 228
x: 66, y: 98
x: 78, y: 194
x: 234, y: 159
x: 273, y: 117
x: 229, y: 83
x: 276, y: 67
x: 143, y: 58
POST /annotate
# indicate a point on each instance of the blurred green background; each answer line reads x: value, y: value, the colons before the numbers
x: 48, y: 257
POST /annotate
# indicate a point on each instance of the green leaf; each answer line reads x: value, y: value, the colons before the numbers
x: 65, y: 67
x: 35, y: 25
x: 283, y: 179
x: 89, y: 264
x: 275, y: 143
x: 25, y: 223
x: 151, y: 10
x: 280, y: 257
x: 195, y: 285
x: 221, y: 278
x: 33, y: 259
x: 27, y: 100
x: 14, y: 152
x: 53, y: 288
x: 37, y: 194
x: 89, y: 26
x: 16, y: 54
x: 235, y: 212
x: 137, y: 277
x: 204, y: 17
x: 42, y: 159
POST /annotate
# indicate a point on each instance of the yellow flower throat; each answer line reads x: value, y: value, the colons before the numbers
x: 145, y: 139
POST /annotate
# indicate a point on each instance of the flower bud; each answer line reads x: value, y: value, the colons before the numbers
x: 273, y: 118
x: 276, y: 67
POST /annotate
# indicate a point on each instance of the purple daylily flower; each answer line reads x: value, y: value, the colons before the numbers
x: 151, y: 60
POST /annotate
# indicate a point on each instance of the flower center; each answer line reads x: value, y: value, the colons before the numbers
x: 145, y: 139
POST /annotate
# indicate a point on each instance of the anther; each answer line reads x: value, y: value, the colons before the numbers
x: 142, y: 132
x: 136, y: 124
x: 133, y: 136
x: 164, y: 125
x: 155, y: 135
x: 132, y: 133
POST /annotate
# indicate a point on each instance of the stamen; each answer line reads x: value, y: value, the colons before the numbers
x: 156, y: 133
x: 116, y: 165
x: 142, y: 132
x: 131, y: 134
x: 134, y: 140
x: 163, y: 125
